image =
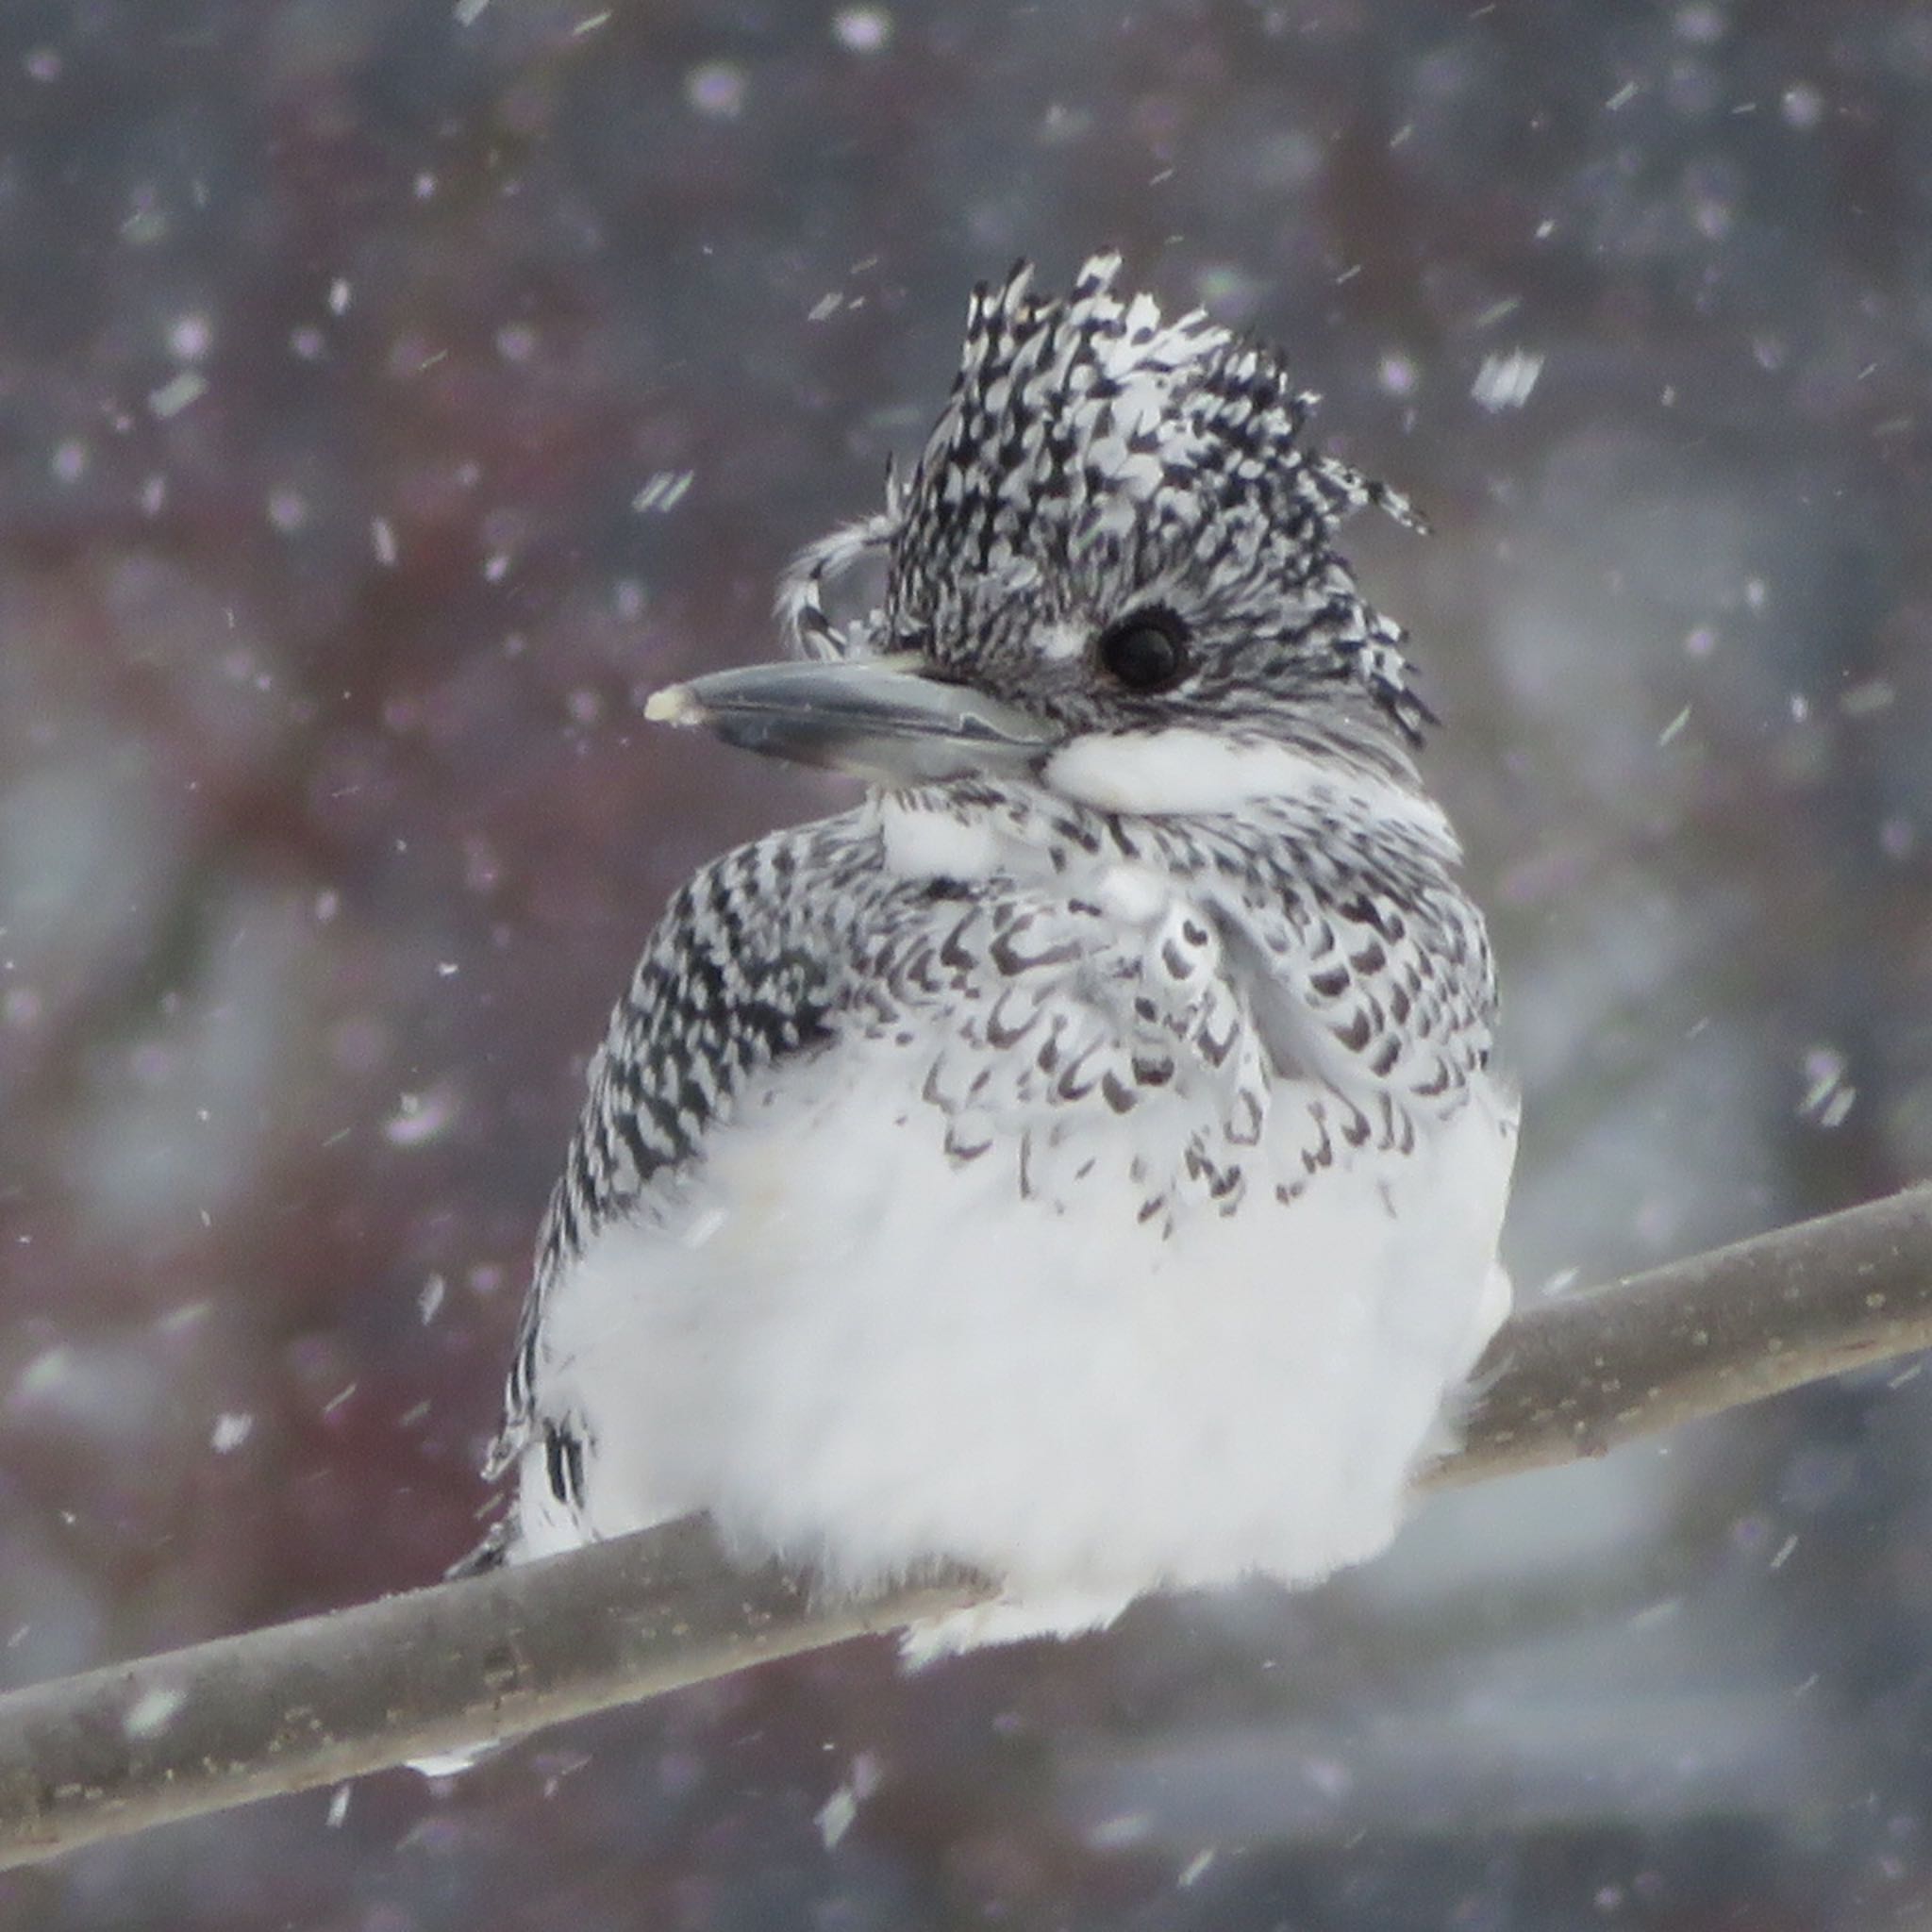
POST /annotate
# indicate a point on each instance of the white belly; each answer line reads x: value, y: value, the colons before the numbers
x: 856, y: 1353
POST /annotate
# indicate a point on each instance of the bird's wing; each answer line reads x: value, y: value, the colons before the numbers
x: 743, y: 970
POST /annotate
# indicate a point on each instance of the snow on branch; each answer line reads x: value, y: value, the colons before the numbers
x: 310, y: 1703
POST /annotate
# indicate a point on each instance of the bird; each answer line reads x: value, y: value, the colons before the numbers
x: 1081, y: 1160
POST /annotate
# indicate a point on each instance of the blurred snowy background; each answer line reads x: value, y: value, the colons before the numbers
x: 389, y: 395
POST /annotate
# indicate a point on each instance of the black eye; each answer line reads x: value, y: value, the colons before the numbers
x: 1148, y: 651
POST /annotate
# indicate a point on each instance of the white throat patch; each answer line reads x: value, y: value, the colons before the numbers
x: 1185, y: 770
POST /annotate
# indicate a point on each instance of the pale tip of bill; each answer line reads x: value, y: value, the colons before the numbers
x: 676, y: 704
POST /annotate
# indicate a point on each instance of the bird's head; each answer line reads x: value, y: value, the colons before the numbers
x: 1112, y: 572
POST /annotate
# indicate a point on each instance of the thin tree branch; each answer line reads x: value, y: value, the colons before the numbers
x: 306, y: 1704
x: 1583, y: 1373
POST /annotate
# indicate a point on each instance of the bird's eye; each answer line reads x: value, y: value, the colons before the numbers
x: 1146, y: 651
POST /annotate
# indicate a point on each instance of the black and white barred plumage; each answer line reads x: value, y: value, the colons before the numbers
x: 1081, y: 1159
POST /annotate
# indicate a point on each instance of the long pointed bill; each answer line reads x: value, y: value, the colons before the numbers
x: 888, y: 720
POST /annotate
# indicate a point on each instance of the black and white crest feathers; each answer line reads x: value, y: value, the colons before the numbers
x: 1090, y: 447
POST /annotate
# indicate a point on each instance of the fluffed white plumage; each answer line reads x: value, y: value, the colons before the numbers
x: 857, y: 1355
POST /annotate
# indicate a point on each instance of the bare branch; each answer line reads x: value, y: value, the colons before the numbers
x: 1584, y: 1373
x: 310, y: 1703
x: 486, y: 1658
